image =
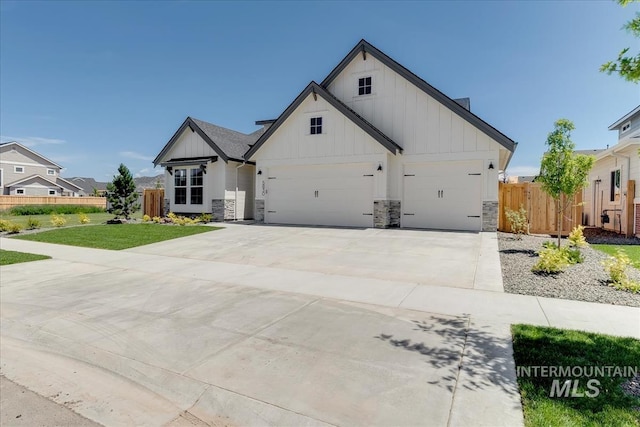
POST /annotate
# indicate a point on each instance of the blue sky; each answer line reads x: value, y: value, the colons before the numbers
x: 93, y: 84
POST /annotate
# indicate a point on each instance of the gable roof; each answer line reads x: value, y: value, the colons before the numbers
x: 229, y: 144
x: 29, y: 178
x: 88, y: 184
x: 316, y: 89
x: 45, y: 160
x: 364, y: 47
x: 624, y: 118
x: 68, y: 183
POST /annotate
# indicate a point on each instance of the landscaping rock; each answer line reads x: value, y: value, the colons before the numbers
x: 117, y: 221
x: 631, y: 387
x: 586, y: 281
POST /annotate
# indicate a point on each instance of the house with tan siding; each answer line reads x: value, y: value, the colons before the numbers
x: 23, y: 172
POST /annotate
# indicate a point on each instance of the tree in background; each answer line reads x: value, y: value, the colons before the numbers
x: 121, y: 194
x: 627, y: 66
x: 562, y: 172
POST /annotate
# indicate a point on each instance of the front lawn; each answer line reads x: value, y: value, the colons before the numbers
x: 13, y: 257
x: 72, y: 219
x: 633, y: 251
x: 550, y: 347
x: 116, y: 236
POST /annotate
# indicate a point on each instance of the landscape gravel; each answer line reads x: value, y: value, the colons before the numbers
x: 586, y: 281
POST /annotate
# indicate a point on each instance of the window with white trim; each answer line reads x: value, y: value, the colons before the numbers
x: 19, y: 190
x: 614, y: 193
x: 315, y: 126
x: 364, y: 86
x: 51, y: 172
x: 180, y: 186
x: 196, y: 186
x: 18, y: 169
x: 52, y: 192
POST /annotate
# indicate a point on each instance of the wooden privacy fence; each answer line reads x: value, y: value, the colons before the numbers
x: 7, y: 202
x: 153, y: 202
x: 541, y: 209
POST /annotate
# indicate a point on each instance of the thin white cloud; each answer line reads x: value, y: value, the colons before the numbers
x: 134, y: 155
x: 141, y: 172
x: 523, y: 171
x: 32, y: 141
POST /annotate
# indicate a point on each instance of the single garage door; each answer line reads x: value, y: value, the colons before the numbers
x: 339, y: 195
x: 443, y: 195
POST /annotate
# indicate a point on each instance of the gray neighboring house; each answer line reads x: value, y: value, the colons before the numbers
x: 88, y: 185
x: 205, y: 171
x: 23, y: 172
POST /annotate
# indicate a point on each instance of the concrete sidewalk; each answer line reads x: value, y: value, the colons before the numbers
x: 494, y: 307
x: 147, y: 339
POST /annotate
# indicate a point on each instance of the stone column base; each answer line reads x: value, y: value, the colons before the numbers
x: 386, y: 213
x: 489, y: 216
x: 166, y: 207
x: 223, y: 209
x: 259, y: 211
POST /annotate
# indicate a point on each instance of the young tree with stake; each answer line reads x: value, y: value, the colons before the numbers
x: 562, y: 172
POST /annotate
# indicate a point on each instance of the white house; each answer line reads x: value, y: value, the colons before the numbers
x: 609, y: 201
x: 23, y: 172
x: 374, y: 145
x: 205, y: 171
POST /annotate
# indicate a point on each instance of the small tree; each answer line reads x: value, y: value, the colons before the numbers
x: 562, y: 172
x: 121, y: 194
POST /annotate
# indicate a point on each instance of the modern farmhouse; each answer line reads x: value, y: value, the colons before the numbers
x: 205, y: 171
x: 374, y: 145
x: 611, y: 199
x: 23, y: 172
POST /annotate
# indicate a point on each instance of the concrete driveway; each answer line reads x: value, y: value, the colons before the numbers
x: 182, y: 332
x: 458, y: 259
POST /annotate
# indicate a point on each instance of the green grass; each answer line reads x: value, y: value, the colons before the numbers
x: 116, y: 236
x: 13, y: 257
x: 539, y: 346
x: 633, y: 251
x: 72, y: 219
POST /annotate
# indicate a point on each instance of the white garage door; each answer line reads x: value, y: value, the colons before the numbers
x: 321, y: 195
x: 443, y: 195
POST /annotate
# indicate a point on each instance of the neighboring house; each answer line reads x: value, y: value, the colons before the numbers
x: 23, y: 172
x: 374, y: 145
x: 521, y: 179
x: 89, y: 186
x: 205, y: 171
x: 607, y: 196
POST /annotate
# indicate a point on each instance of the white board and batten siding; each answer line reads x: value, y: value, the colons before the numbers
x: 427, y: 130
x: 325, y: 179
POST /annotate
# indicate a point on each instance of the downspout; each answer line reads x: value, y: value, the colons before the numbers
x: 235, y: 205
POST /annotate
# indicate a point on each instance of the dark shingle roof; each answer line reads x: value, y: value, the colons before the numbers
x: 589, y: 152
x: 228, y: 144
x: 234, y: 144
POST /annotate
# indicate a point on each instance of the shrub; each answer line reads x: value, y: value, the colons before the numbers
x: 146, y: 218
x: 83, y: 218
x: 32, y: 223
x: 552, y: 261
x: 4, y: 225
x: 616, y: 267
x: 205, y: 217
x: 157, y: 219
x: 574, y: 256
x: 518, y: 221
x: 14, y: 228
x: 29, y: 210
x: 58, y: 220
x: 576, y: 238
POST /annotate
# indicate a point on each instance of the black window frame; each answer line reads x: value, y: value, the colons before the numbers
x: 364, y: 85
x: 315, y: 125
x: 616, y: 188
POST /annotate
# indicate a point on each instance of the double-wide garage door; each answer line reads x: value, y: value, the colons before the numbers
x: 339, y: 195
x: 443, y: 195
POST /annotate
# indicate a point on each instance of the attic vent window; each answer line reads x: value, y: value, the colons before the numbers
x: 626, y: 127
x: 316, y: 126
x: 364, y: 86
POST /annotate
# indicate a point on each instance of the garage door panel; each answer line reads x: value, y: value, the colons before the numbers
x: 321, y: 195
x: 443, y: 195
